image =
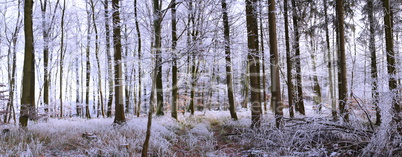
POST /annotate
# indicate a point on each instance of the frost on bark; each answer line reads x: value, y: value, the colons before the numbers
x: 253, y: 62
x: 28, y: 81
x: 118, y: 80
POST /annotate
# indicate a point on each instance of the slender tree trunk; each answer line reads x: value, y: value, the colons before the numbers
x: 253, y: 62
x: 299, y: 102
x: 145, y: 146
x: 275, y: 79
x: 374, y: 73
x: 62, y: 53
x: 109, y: 60
x: 88, y: 68
x: 158, y: 53
x: 316, y: 87
x: 11, y: 66
x: 329, y: 65
x: 28, y: 81
x: 137, y: 28
x: 392, y: 83
x: 97, y: 58
x: 229, y: 73
x: 118, y: 80
x: 174, y: 63
x: 342, y: 80
x: 288, y: 61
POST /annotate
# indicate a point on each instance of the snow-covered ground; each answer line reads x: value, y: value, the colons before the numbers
x: 210, y: 133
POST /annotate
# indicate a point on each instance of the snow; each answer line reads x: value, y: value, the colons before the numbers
x: 207, y: 133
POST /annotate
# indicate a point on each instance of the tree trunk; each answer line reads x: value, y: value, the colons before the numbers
x: 88, y: 68
x: 392, y: 83
x: 342, y: 81
x: 262, y: 54
x: 288, y: 61
x: 229, y: 77
x: 97, y: 59
x: 145, y: 146
x: 109, y: 60
x: 317, y: 98
x: 137, y: 28
x: 299, y: 103
x: 62, y: 53
x: 275, y: 79
x: 118, y: 80
x: 28, y: 81
x: 329, y: 65
x: 174, y: 62
x: 158, y: 54
x: 253, y: 62
x: 372, y: 49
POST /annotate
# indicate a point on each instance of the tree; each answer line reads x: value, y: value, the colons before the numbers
x: 174, y: 61
x: 11, y: 66
x: 342, y: 80
x: 372, y: 49
x: 118, y: 80
x: 329, y: 65
x: 88, y: 65
x: 389, y: 48
x: 229, y: 78
x: 28, y: 81
x: 157, y: 19
x: 299, y: 103
x: 288, y: 60
x: 109, y: 60
x: 46, y: 29
x: 275, y: 79
x: 253, y: 62
x: 62, y: 54
x: 137, y: 28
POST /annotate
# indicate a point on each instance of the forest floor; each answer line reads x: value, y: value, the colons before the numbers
x: 209, y: 133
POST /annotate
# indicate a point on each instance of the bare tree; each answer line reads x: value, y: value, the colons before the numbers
x: 296, y: 46
x: 253, y: 62
x: 288, y: 60
x: 109, y: 60
x: 392, y: 83
x: 229, y: 77
x: 28, y: 81
x: 174, y: 61
x: 342, y: 81
x: 373, y: 56
x: 118, y: 80
x: 275, y: 79
x: 157, y: 19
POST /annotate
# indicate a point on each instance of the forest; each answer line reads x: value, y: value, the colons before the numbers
x: 201, y: 78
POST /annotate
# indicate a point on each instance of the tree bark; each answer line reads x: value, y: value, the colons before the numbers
x: 288, y: 60
x: 342, y: 81
x: 88, y: 68
x: 109, y: 60
x: 275, y: 79
x: 97, y: 59
x: 373, y: 57
x: 157, y: 19
x: 391, y: 67
x: 28, y: 78
x: 174, y: 62
x: 62, y: 53
x: 299, y: 102
x: 137, y: 28
x: 329, y: 65
x: 229, y: 77
x: 118, y: 80
x: 253, y: 62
